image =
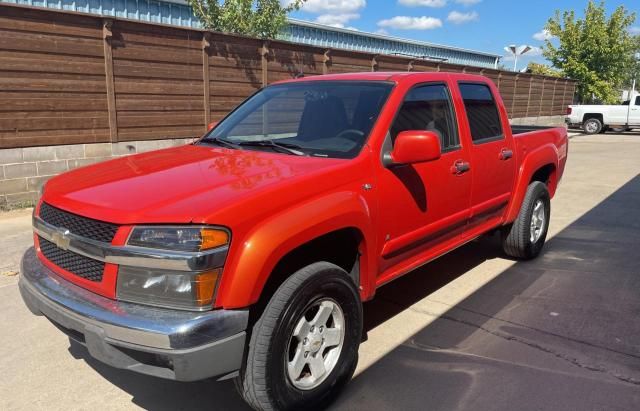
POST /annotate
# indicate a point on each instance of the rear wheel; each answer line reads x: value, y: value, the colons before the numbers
x: 304, y: 346
x: 525, y: 238
x: 592, y: 126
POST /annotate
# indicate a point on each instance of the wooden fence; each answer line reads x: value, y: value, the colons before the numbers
x: 71, y: 78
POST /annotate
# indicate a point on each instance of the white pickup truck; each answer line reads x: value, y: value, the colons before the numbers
x: 596, y: 119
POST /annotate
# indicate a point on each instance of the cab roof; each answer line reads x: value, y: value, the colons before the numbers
x: 395, y: 76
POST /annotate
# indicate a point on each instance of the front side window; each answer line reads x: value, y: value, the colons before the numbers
x: 428, y: 107
x: 482, y: 112
x: 318, y: 118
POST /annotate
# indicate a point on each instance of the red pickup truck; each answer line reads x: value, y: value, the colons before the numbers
x: 248, y: 253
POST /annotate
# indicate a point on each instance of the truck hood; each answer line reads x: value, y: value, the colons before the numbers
x: 178, y: 185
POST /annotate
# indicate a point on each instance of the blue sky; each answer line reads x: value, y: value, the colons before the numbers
x: 483, y: 25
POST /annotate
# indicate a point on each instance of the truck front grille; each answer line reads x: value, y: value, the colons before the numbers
x: 82, y: 226
x: 77, y: 264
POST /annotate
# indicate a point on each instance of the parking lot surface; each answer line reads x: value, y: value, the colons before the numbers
x: 470, y: 331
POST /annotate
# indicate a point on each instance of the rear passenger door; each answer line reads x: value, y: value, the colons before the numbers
x: 492, y: 156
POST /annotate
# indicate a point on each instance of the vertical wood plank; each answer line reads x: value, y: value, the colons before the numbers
x: 544, y: 83
x: 264, y: 53
x: 206, y: 45
x: 515, y: 94
x: 553, y: 97
x: 107, y: 37
x: 326, y: 61
x: 564, y: 98
x: 529, y: 96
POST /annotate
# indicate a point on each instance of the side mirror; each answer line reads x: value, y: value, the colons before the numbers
x: 211, y: 125
x: 415, y: 146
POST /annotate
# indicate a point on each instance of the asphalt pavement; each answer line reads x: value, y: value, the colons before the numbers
x: 470, y: 331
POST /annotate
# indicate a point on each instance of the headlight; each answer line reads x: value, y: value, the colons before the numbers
x: 172, y: 289
x: 179, y: 238
x: 189, y: 290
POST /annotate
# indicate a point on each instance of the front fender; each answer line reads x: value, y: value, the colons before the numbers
x: 253, y: 260
x: 536, y: 159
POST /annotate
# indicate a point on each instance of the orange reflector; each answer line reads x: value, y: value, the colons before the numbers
x: 212, y: 238
x: 205, y: 286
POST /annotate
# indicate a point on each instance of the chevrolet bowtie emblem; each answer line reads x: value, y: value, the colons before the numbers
x: 60, y: 237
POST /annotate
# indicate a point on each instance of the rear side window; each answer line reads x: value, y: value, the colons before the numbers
x: 428, y: 107
x: 482, y: 112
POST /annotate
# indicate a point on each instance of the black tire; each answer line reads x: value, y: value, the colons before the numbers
x: 516, y: 238
x: 264, y: 382
x: 592, y: 126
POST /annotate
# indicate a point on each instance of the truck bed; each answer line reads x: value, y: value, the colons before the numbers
x: 526, y: 129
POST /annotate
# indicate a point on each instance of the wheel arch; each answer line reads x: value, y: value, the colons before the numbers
x: 597, y: 116
x: 539, y: 165
x: 284, y: 242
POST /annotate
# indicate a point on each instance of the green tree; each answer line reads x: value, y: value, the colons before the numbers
x: 537, y: 68
x: 634, y: 69
x: 596, y: 50
x: 256, y: 18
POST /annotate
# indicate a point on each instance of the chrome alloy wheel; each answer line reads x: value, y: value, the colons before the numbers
x: 538, y: 219
x: 315, y: 344
x: 591, y: 126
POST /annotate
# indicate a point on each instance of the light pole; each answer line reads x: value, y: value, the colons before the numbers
x: 517, y: 51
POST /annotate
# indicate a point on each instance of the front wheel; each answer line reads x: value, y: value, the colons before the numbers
x: 304, y: 346
x: 525, y: 238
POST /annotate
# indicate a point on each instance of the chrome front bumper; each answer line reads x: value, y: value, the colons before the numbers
x: 179, y: 345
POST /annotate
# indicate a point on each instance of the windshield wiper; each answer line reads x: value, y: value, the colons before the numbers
x: 221, y: 142
x: 284, y: 147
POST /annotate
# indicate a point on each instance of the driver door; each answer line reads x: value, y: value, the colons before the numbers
x: 425, y: 206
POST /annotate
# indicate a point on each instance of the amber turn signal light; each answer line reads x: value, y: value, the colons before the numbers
x: 212, y: 238
x: 205, y: 286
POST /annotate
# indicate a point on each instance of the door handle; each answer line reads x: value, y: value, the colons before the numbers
x: 505, y: 154
x: 460, y: 167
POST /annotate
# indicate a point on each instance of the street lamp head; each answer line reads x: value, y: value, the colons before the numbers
x: 512, y: 48
x: 524, y: 49
x: 517, y: 51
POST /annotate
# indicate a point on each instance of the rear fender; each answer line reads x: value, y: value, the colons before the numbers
x: 258, y: 253
x: 535, y: 160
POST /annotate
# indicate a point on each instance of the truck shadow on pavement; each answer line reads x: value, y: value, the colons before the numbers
x: 558, y: 332
x: 527, y: 337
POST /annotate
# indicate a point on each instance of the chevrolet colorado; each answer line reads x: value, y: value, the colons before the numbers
x: 248, y: 253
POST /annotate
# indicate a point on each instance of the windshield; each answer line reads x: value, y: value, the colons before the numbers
x: 318, y: 118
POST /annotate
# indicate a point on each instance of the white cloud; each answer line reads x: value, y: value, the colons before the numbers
x: 635, y: 30
x: 468, y: 2
x: 333, y: 6
x: 457, y: 17
x: 336, y: 13
x: 411, y: 23
x: 542, y: 35
x: 534, y: 52
x: 382, y: 31
x: 423, y: 3
x: 337, y: 20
